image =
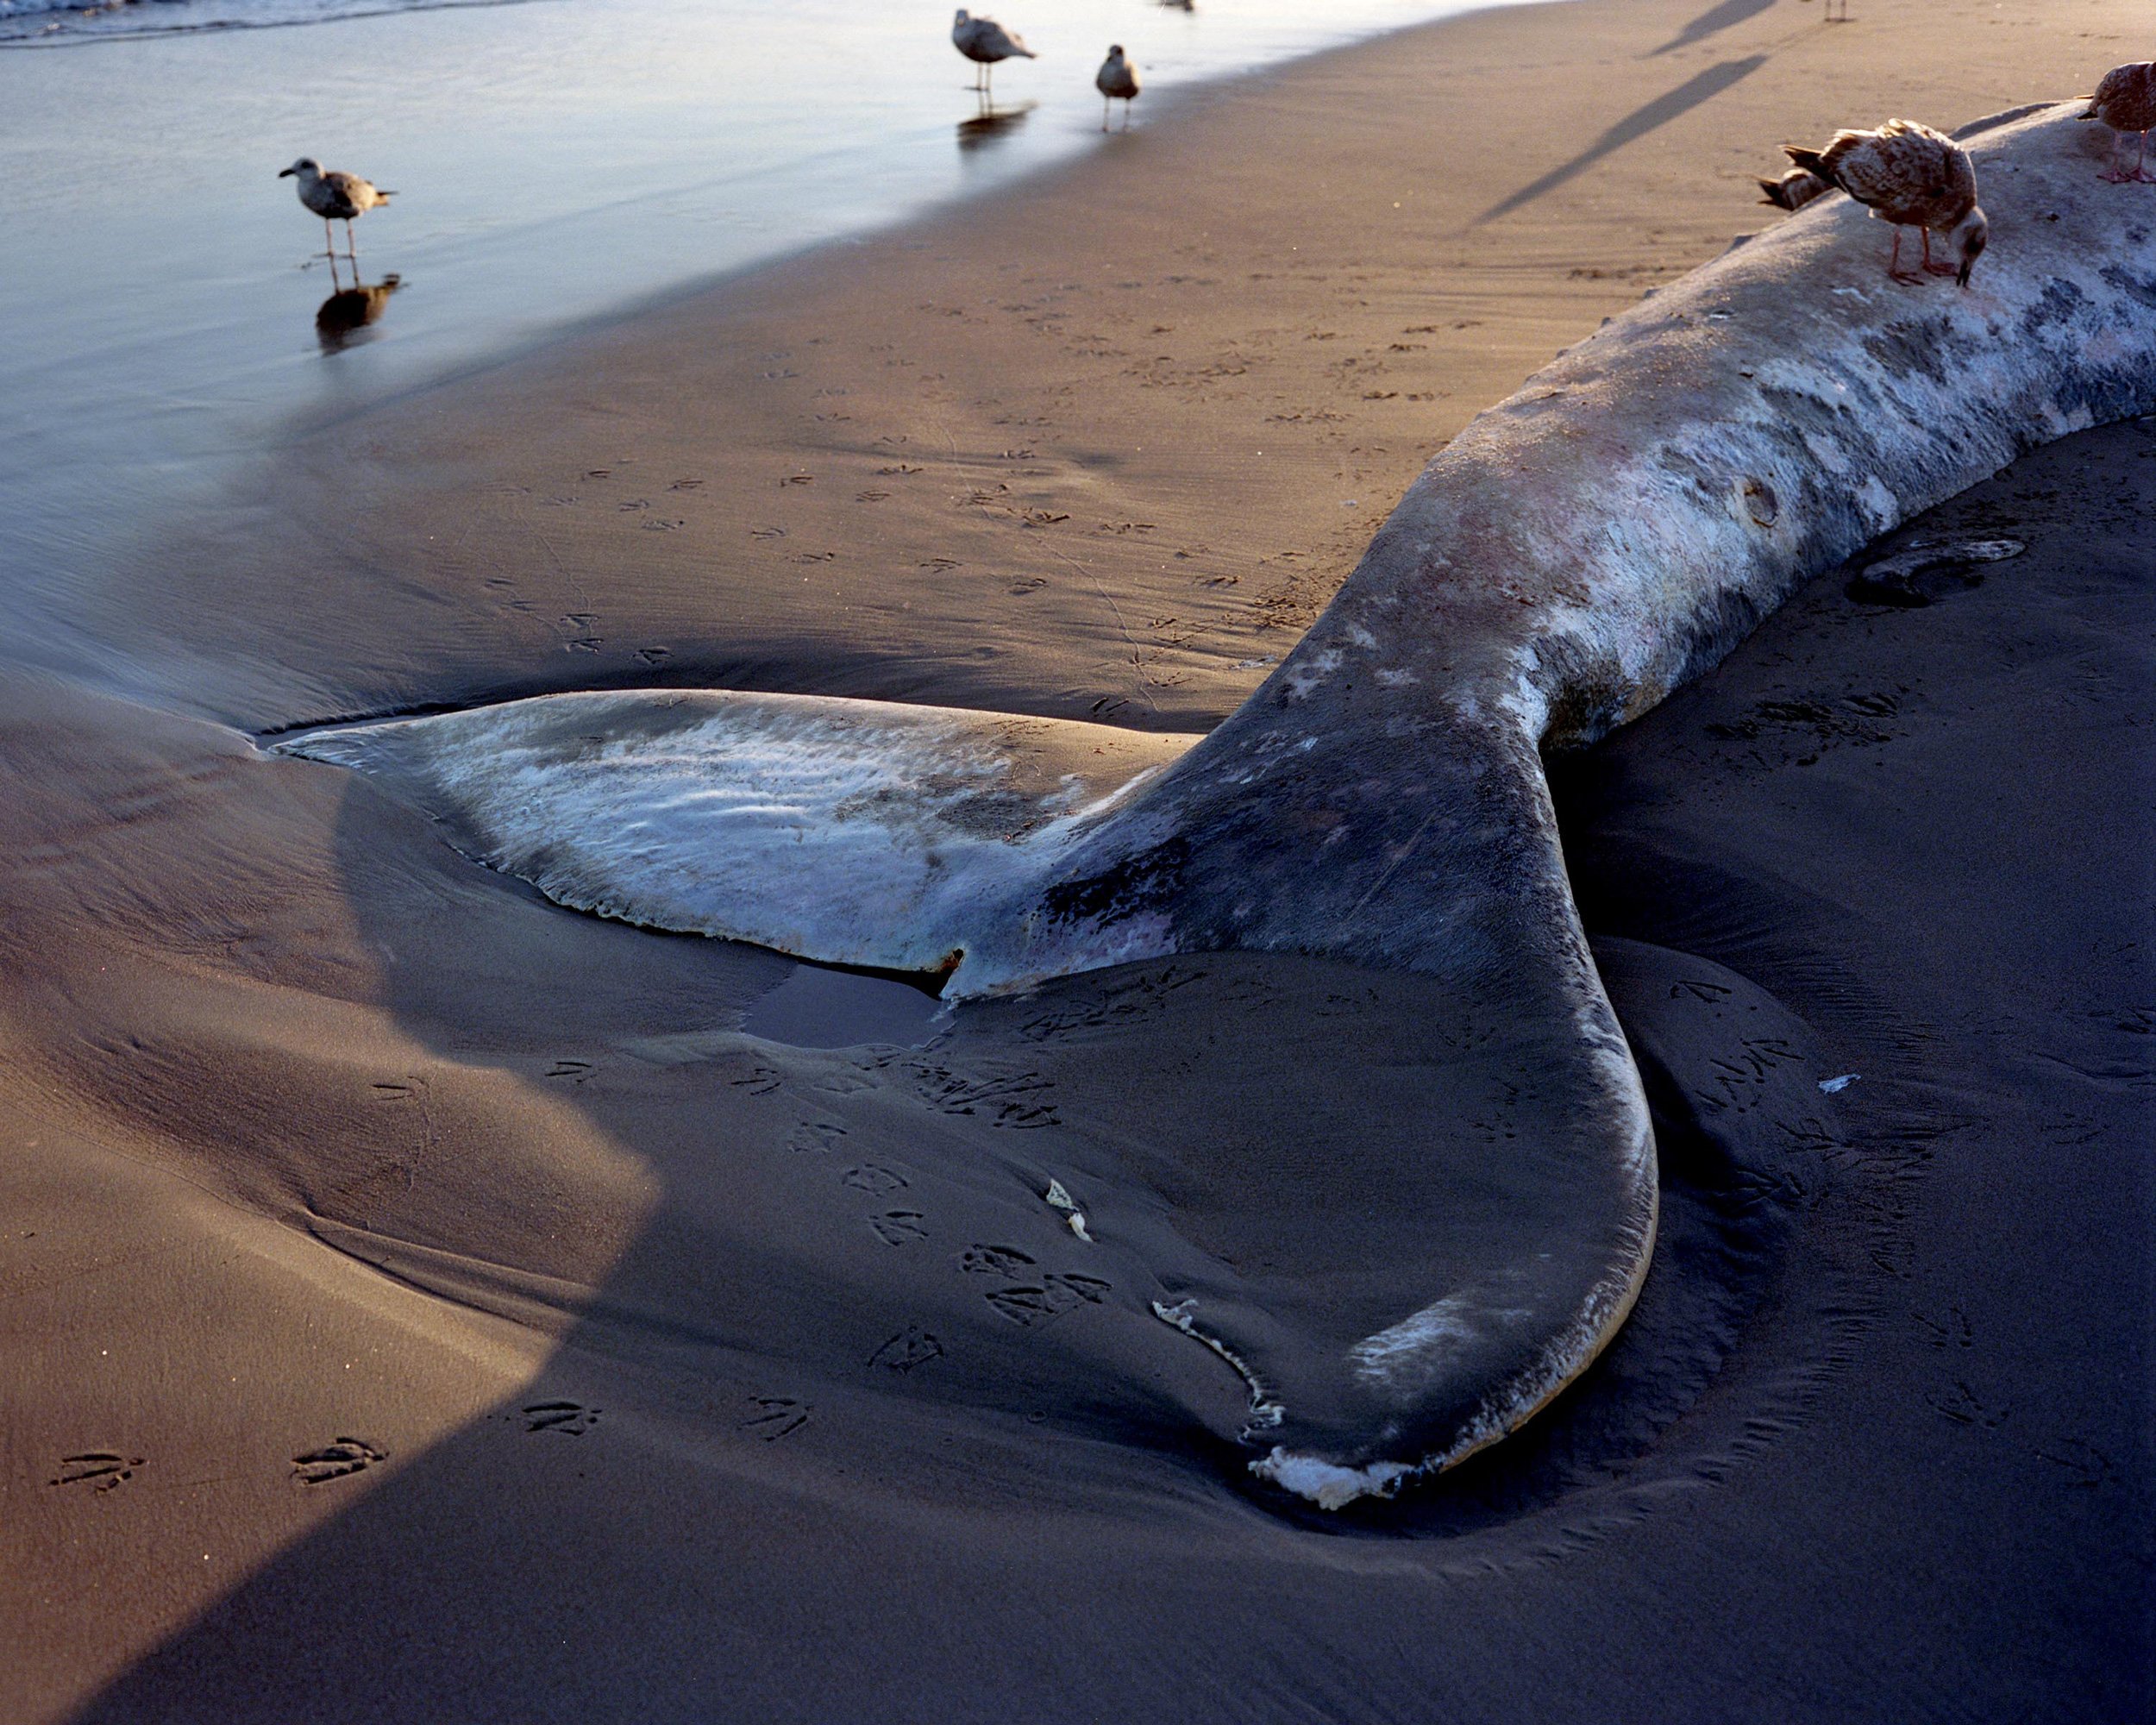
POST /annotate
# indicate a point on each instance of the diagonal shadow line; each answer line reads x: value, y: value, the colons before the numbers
x: 1663, y: 109
x: 1712, y: 21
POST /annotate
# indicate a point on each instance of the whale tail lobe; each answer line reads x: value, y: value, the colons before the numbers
x: 1006, y: 851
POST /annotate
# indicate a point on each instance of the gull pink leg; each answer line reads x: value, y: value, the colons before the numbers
x: 1894, y: 262
x: 2117, y: 173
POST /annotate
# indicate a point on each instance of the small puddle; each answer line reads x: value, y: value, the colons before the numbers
x: 819, y: 1006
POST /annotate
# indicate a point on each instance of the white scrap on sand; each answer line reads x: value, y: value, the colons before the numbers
x: 1914, y: 176
x: 1060, y: 1199
x: 334, y: 196
x: 2126, y: 102
x: 984, y: 41
x: 1117, y: 81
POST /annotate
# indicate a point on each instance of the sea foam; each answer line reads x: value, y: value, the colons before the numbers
x: 53, y: 24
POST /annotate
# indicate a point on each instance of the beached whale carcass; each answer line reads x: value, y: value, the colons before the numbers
x: 1612, y: 530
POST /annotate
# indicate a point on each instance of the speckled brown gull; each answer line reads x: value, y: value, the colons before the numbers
x: 334, y: 196
x: 1914, y: 176
x: 2126, y: 102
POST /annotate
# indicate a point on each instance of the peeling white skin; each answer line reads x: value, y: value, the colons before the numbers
x: 1265, y: 1412
x: 858, y: 832
x: 1327, y: 1484
x: 1579, y: 550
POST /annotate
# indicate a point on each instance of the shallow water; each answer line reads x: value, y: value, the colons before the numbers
x: 555, y: 161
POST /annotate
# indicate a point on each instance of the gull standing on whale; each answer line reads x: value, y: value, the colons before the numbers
x: 334, y: 196
x: 1914, y: 176
x: 2126, y: 102
x: 1117, y: 81
x: 984, y: 41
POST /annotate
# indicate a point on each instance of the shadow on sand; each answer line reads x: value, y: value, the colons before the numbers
x: 753, y: 1479
x: 1687, y: 96
x: 1713, y: 21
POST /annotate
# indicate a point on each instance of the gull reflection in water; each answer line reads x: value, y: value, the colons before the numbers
x: 346, y: 316
x: 992, y: 124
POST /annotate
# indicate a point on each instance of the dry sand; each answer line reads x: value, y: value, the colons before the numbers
x: 475, y: 1323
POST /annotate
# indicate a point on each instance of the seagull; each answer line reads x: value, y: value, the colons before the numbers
x: 1796, y: 188
x: 984, y: 41
x: 1909, y: 175
x: 2126, y: 102
x: 1117, y: 81
x: 336, y: 198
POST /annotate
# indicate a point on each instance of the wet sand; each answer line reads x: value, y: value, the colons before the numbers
x: 432, y: 1303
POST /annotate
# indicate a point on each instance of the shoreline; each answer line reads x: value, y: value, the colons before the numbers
x: 746, y: 278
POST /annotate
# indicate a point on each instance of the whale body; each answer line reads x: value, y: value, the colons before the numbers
x: 1612, y: 530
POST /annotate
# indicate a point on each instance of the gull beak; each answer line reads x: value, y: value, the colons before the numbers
x: 1967, y: 264
x: 284, y: 174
